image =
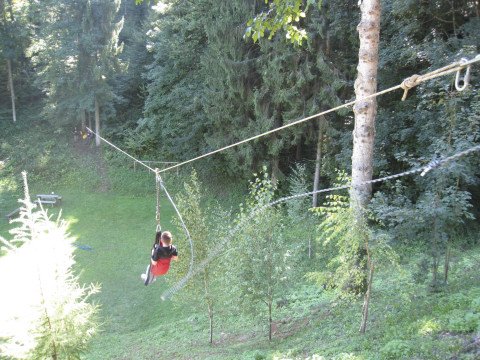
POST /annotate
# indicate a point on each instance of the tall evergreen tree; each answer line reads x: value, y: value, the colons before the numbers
x: 77, y: 50
x: 173, y: 119
x: 130, y: 84
x: 14, y: 37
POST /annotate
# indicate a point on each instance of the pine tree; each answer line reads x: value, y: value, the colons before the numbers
x: 77, y: 49
x: 173, y: 120
x: 14, y: 38
x: 46, y: 312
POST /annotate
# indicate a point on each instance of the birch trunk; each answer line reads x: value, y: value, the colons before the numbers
x: 364, y: 129
x: 318, y: 161
x: 365, y: 111
x: 11, y: 88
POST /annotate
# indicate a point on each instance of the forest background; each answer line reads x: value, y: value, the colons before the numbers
x: 176, y: 79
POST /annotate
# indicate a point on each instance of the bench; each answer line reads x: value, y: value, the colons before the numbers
x: 15, y: 212
x: 49, y: 199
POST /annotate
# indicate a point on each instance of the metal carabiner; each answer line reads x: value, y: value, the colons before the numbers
x: 466, y: 78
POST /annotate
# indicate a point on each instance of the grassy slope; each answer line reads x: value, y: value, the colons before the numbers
x: 406, y: 321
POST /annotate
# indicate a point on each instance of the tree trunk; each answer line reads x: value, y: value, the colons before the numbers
x: 298, y: 152
x: 11, y: 88
x: 447, y: 265
x: 366, y: 301
x: 89, y: 118
x: 97, y: 123
x: 365, y: 111
x: 318, y: 160
x: 84, y: 119
x: 435, y: 245
x: 364, y: 129
x: 270, y: 320
x: 209, y: 304
x: 275, y: 170
x: 210, y: 317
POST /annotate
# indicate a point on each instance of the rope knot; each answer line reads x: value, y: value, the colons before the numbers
x: 408, y: 84
x: 430, y: 166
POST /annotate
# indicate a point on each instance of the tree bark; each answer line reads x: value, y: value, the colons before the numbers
x: 364, y: 130
x: 270, y: 320
x: 210, y: 316
x: 366, y: 302
x: 447, y: 265
x: 365, y: 111
x: 275, y: 170
x: 11, y: 88
x: 209, y: 304
x: 97, y: 123
x: 83, y: 119
x: 318, y: 160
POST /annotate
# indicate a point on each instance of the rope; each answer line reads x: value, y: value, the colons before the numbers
x: 457, y: 66
x: 434, y: 164
x: 406, y: 85
x: 158, y: 181
x: 159, y: 184
x: 190, y: 267
x: 117, y: 148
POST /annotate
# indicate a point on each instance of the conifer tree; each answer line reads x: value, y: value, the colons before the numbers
x: 77, y: 50
x: 46, y: 313
x: 130, y: 83
x: 173, y: 118
x: 14, y: 37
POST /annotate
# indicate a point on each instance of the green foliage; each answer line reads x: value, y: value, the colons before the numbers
x: 264, y: 261
x: 189, y: 203
x: 462, y: 313
x: 341, y: 246
x: 282, y: 15
x: 298, y: 184
x: 396, y: 349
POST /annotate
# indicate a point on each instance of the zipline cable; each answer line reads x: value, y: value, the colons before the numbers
x: 158, y: 184
x: 434, y: 164
x: 406, y: 85
x: 117, y: 148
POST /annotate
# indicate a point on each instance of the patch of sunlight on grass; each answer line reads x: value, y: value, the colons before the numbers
x: 8, y: 184
x: 71, y: 220
x: 428, y: 327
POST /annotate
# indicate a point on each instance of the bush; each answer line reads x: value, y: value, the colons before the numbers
x: 463, y: 322
x: 395, y: 349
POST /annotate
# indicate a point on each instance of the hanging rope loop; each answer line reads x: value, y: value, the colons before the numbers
x: 466, y: 78
x: 409, y: 83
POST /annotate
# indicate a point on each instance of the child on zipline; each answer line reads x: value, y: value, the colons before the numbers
x: 162, y: 253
